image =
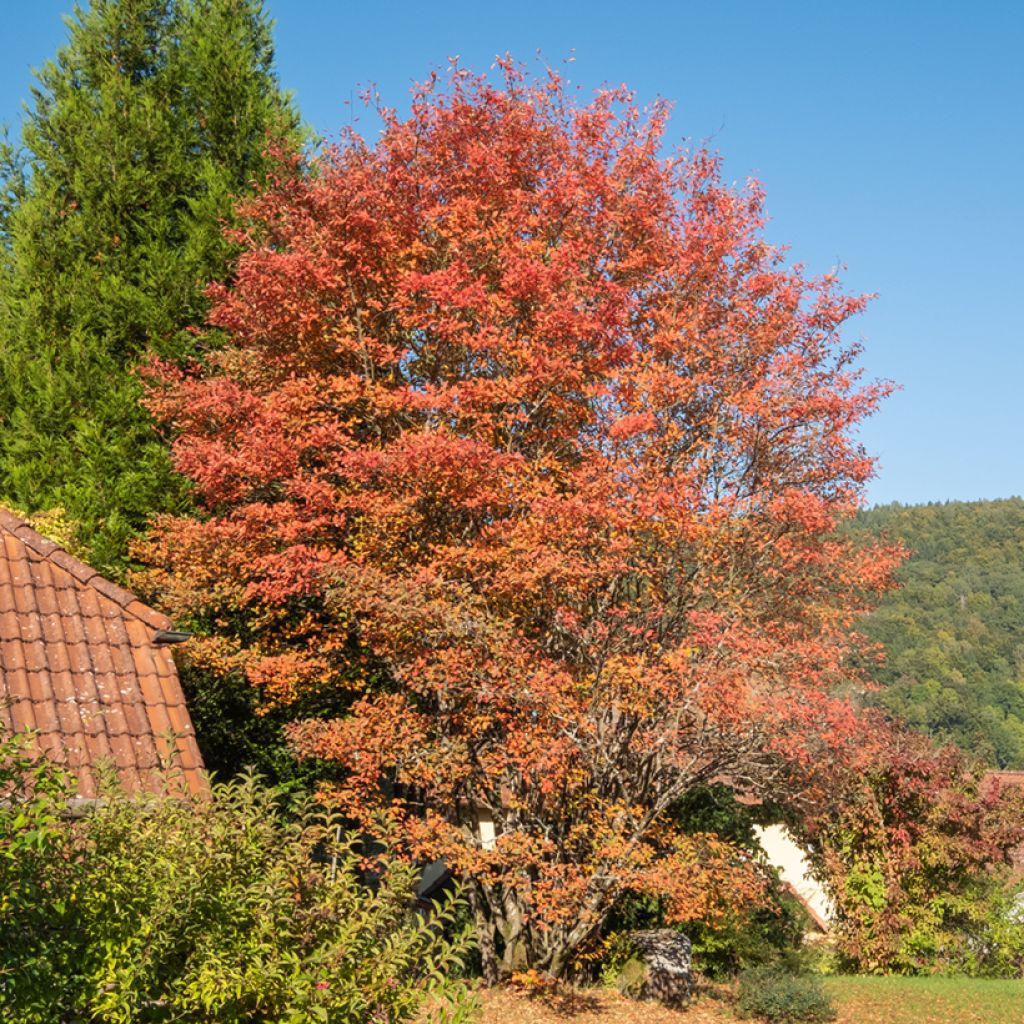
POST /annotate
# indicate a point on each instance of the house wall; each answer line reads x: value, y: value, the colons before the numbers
x: 791, y: 863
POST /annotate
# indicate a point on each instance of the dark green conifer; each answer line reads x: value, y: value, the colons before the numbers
x: 154, y: 117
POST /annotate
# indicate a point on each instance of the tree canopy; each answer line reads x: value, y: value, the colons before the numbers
x: 526, y: 440
x: 141, y: 134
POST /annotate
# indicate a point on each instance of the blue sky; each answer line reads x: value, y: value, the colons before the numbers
x: 889, y: 137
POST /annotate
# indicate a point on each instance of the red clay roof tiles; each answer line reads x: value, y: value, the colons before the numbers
x: 1006, y: 779
x: 79, y: 668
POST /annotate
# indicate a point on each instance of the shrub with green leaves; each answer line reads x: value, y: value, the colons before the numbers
x: 917, y: 858
x: 769, y: 993
x: 227, y: 909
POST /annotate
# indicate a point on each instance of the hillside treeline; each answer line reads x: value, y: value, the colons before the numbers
x: 954, y: 631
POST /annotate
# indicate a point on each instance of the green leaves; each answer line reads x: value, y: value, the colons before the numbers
x: 917, y: 860
x: 233, y: 908
x: 146, y: 127
x: 779, y: 998
x: 954, y: 660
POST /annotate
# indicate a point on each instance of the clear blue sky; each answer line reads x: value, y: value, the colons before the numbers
x: 889, y: 136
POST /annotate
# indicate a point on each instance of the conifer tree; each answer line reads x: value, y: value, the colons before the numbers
x: 12, y: 184
x: 151, y: 121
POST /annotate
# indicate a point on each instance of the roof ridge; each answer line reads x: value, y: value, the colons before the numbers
x: 85, y: 574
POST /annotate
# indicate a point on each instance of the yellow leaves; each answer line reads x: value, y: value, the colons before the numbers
x: 629, y: 683
x: 532, y: 982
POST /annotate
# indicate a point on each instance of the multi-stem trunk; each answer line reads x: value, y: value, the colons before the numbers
x: 511, y: 940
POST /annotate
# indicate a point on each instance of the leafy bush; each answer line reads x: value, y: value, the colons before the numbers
x: 743, y: 935
x: 618, y: 962
x: 999, y: 948
x: 235, y: 733
x: 749, y: 936
x: 768, y: 993
x: 916, y: 856
x: 226, y: 909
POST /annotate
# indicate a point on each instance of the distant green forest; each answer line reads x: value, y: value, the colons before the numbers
x: 954, y: 632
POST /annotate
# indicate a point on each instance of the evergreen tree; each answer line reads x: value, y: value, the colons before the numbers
x: 12, y: 188
x: 152, y: 119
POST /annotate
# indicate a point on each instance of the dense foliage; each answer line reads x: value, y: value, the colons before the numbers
x: 520, y: 458
x: 527, y: 444
x: 916, y: 854
x: 237, y: 732
x: 771, y: 994
x: 745, y: 934
x: 227, y: 909
x: 954, y: 632
x: 141, y: 134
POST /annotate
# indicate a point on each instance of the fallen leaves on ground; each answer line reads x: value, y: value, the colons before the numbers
x: 593, y: 1006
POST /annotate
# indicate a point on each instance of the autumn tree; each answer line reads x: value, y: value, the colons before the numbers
x: 916, y: 850
x: 141, y: 134
x: 527, y: 440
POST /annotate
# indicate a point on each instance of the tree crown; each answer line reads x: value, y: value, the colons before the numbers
x: 527, y: 439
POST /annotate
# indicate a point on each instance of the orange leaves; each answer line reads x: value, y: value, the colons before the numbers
x: 629, y: 426
x: 702, y: 878
x: 526, y: 436
x: 283, y: 676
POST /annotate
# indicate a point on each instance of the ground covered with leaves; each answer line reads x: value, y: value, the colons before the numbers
x: 594, y: 1006
x: 859, y: 1000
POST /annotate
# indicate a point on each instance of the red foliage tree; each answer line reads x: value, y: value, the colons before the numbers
x: 533, y: 417
x: 916, y: 850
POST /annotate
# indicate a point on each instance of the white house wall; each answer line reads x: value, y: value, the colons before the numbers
x: 784, y: 855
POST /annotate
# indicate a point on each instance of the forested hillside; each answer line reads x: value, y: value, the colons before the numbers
x: 954, y: 633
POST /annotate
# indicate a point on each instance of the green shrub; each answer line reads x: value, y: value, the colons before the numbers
x: 770, y: 994
x: 916, y: 857
x: 619, y: 964
x: 222, y: 911
x: 749, y: 936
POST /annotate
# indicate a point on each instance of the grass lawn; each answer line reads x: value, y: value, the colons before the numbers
x: 861, y: 1000
x: 866, y: 1000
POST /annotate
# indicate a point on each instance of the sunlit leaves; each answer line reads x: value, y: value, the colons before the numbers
x: 529, y: 415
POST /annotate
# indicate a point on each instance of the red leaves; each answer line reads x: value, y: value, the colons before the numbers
x: 538, y: 422
x: 629, y: 426
x: 916, y: 848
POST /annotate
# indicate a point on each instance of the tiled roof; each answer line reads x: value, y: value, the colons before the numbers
x: 1005, y: 778
x: 79, y: 668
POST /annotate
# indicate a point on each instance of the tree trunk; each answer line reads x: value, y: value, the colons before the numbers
x: 509, y: 943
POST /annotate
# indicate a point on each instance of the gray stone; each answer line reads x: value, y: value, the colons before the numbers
x: 667, y: 960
